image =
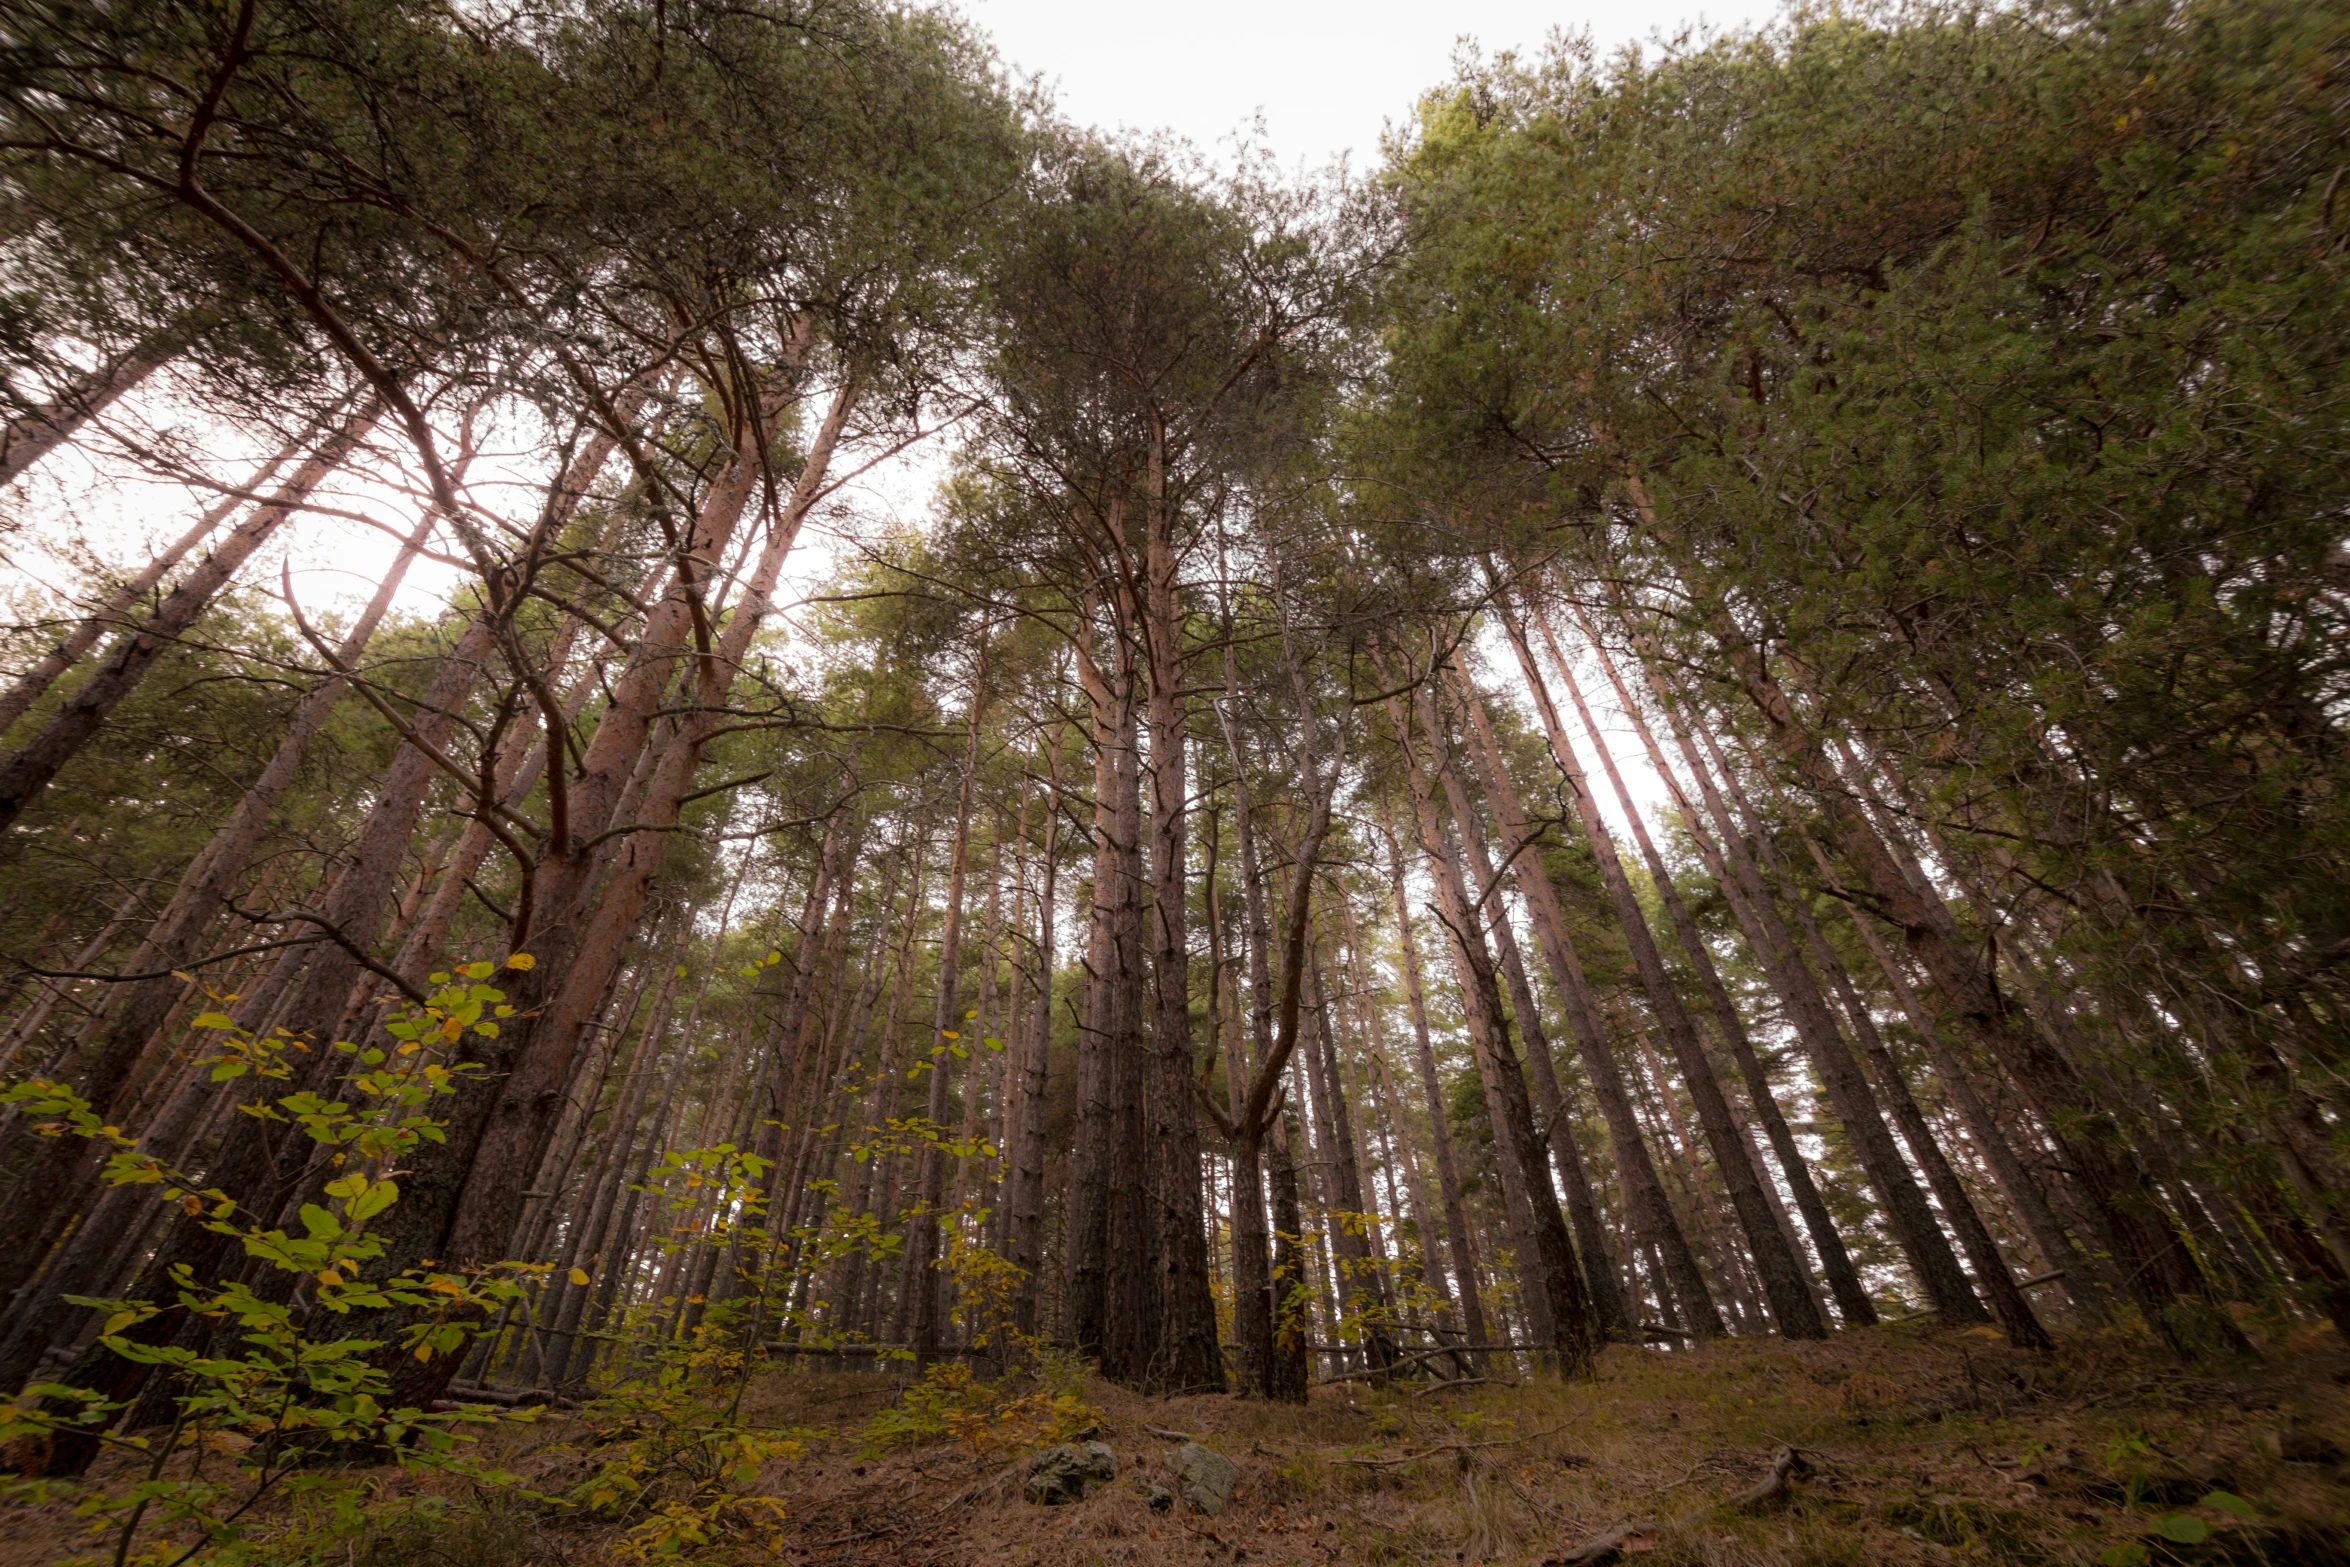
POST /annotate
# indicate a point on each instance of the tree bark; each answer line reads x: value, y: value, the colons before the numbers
x: 1362, y: 1294
x: 1185, y: 1358
x: 926, y: 1318
x: 1024, y: 1142
x: 1644, y: 1194
x: 1448, y: 1177
x: 1852, y: 1299
x: 38, y: 431
x: 2156, y: 1265
x: 58, y: 1183
x: 1558, y: 1311
x: 1791, y: 1302
x: 1599, y: 1269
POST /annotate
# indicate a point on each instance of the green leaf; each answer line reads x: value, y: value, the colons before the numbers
x: 2230, y: 1502
x: 213, y: 1020
x: 322, y: 1225
x: 374, y: 1200
x: 2183, y: 1528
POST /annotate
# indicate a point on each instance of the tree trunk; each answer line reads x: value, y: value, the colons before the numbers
x: 925, y: 1317
x: 1558, y: 1311
x: 1644, y: 1194
x: 355, y: 906
x: 1025, y: 1140
x: 61, y: 1178
x: 26, y: 773
x: 1186, y: 1358
x: 1362, y: 1294
x: 1599, y: 1269
x: 492, y: 1148
x: 1782, y: 1276
x: 25, y: 440
x: 857, y: 1268
x: 1852, y: 1299
x: 1448, y: 1176
x: 2160, y: 1272
x: 35, y: 682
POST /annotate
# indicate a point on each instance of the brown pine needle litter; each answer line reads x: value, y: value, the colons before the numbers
x: 1892, y: 1445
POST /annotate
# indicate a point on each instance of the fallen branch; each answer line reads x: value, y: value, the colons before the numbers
x: 1438, y: 1387
x: 511, y: 1397
x: 1166, y: 1435
x: 1601, y: 1550
x: 1393, y: 1367
x: 1449, y: 1447
x: 1778, y: 1485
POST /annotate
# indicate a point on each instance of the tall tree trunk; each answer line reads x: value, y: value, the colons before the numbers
x: 1644, y: 1194
x: 856, y: 1269
x: 1852, y: 1299
x: 1025, y: 1140
x: 1558, y: 1311
x: 926, y: 1316
x: 1254, y: 1306
x: 25, y: 440
x: 59, y: 1181
x: 477, y: 1177
x: 1448, y: 1175
x: 35, y: 682
x: 1791, y: 1302
x: 2160, y: 1272
x: 1599, y: 1271
x: 592, y: 1226
x: 1404, y: 1156
x: 1362, y: 1294
x: 1186, y: 1357
x: 1087, y: 1242
x: 27, y: 772
x: 354, y: 907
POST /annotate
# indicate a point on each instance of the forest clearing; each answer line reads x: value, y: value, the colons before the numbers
x: 1622, y: 840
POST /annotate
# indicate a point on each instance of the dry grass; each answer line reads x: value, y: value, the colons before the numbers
x: 1919, y: 1446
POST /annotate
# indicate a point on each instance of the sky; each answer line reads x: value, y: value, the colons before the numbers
x: 1326, y: 75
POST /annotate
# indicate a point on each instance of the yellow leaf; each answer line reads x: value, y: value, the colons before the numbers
x: 695, y: 1300
x: 424, y: 1352
x: 974, y: 1012
x: 579, y: 1277
x: 523, y: 961
x: 329, y: 1276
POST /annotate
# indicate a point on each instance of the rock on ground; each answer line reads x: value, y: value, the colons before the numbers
x: 1207, y: 1476
x: 1068, y: 1472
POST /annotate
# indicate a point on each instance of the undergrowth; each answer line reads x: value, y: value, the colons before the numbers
x: 1910, y: 1445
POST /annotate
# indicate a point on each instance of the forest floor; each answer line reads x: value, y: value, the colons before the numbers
x: 1899, y: 1444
